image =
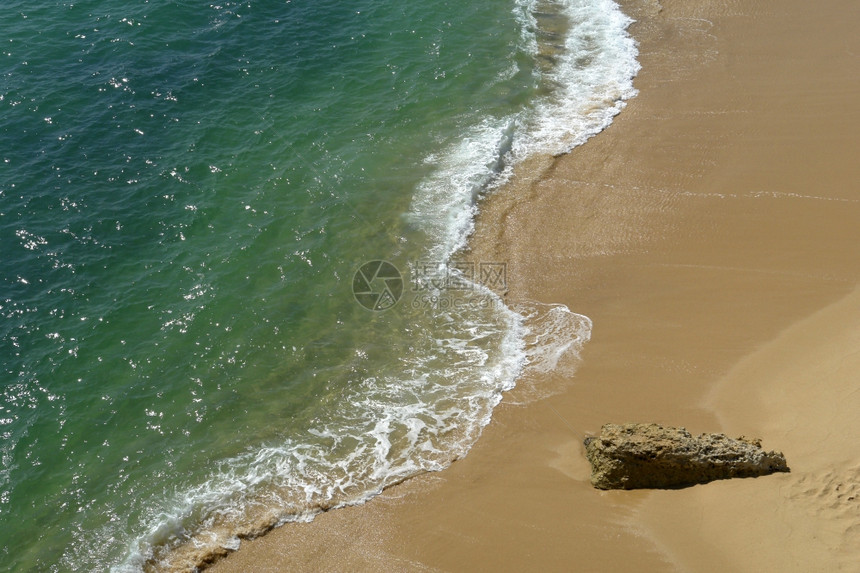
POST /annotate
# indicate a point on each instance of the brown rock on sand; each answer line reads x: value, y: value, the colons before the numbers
x: 632, y: 456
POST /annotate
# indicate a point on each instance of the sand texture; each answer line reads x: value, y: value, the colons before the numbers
x: 712, y: 234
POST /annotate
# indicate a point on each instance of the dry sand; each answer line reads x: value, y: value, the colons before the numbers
x: 712, y: 233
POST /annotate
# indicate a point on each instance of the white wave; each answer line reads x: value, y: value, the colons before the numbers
x: 445, y: 202
x: 427, y: 410
x: 418, y: 415
x: 593, y: 78
x: 587, y: 88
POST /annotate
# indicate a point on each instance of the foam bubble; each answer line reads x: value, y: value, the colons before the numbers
x: 554, y: 334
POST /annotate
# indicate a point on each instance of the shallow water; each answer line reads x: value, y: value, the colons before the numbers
x: 187, y: 191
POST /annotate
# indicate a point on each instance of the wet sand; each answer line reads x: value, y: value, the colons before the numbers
x: 712, y: 234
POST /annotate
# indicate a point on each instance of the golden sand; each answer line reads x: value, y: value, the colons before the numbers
x: 712, y: 234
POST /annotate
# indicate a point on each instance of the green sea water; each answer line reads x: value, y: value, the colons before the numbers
x: 187, y: 193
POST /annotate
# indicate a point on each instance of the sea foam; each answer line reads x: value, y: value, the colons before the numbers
x: 427, y: 409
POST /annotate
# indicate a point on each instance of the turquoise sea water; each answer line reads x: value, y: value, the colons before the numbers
x: 187, y: 191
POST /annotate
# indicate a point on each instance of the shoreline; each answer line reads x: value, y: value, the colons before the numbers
x: 710, y: 234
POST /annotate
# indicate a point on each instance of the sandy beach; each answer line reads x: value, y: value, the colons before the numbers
x: 712, y: 234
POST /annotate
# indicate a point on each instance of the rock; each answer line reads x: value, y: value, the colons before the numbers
x: 631, y: 456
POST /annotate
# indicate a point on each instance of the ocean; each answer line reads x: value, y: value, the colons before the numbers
x: 232, y: 292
